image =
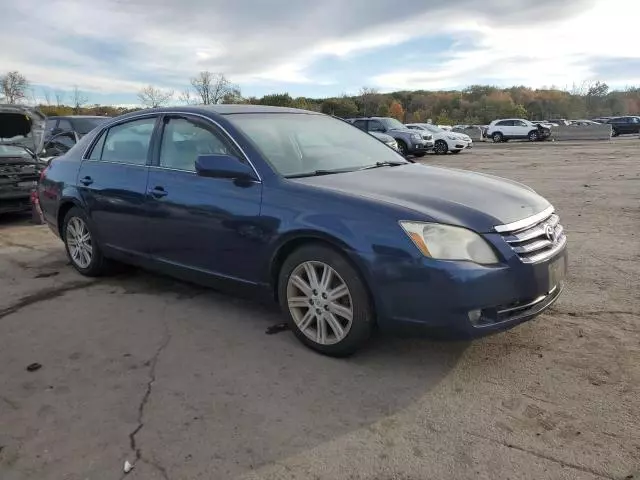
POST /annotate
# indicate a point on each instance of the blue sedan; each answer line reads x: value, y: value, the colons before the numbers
x: 341, y: 230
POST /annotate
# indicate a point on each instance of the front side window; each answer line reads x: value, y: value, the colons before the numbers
x: 300, y: 144
x: 128, y: 142
x: 519, y: 123
x: 361, y: 124
x: 376, y: 126
x: 183, y: 140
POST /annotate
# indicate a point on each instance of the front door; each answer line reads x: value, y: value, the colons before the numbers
x: 113, y: 184
x: 205, y: 224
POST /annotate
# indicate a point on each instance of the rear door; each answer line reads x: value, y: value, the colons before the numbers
x: 113, y: 184
x: 209, y: 225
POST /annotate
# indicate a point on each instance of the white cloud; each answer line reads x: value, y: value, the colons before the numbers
x: 555, y: 53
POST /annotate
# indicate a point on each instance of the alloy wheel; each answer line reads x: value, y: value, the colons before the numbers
x: 79, y: 242
x: 320, y: 302
x: 440, y: 147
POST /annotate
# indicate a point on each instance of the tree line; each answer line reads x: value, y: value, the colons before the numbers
x: 474, y: 105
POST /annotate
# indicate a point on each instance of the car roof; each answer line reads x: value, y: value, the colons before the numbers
x: 79, y: 116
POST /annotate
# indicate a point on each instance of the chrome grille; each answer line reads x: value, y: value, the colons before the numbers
x: 536, y: 241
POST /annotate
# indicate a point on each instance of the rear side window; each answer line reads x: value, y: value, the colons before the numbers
x: 361, y: 124
x: 128, y: 142
x: 504, y: 123
x: 96, y: 153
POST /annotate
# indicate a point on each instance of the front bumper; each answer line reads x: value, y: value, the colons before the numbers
x: 424, y: 146
x: 463, y: 298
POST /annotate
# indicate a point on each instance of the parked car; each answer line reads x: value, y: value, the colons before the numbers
x: 517, y: 128
x: 78, y: 124
x: 21, y: 140
x: 409, y: 142
x: 444, y: 141
x: 624, y: 125
x: 388, y: 140
x: 345, y: 233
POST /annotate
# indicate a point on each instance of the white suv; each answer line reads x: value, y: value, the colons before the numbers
x: 517, y: 128
x: 444, y: 141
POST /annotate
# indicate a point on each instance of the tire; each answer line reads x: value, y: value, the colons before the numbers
x: 614, y: 132
x: 317, y: 328
x: 455, y: 151
x: 440, y: 147
x: 402, y: 148
x: 497, y: 137
x: 533, y: 136
x: 85, y: 255
x: 419, y: 154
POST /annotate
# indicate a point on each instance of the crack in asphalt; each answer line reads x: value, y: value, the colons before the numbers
x: 133, y: 443
x: 44, y: 295
x: 544, y: 456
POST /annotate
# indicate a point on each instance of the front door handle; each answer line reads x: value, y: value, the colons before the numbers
x: 158, y: 192
x: 86, y: 181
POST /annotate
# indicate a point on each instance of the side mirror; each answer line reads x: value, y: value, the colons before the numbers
x: 223, y: 166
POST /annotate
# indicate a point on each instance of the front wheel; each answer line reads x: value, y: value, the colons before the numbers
x: 402, y: 148
x: 614, y: 132
x: 440, y: 147
x: 325, y: 300
x: 533, y: 136
x: 80, y: 243
x: 497, y: 137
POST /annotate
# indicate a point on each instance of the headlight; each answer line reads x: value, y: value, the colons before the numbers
x: 416, y: 136
x: 444, y: 242
x: 452, y: 137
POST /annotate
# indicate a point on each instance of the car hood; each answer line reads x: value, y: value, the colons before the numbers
x: 23, y: 126
x: 402, y: 130
x: 456, y: 197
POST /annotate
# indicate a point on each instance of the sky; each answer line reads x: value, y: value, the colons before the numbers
x: 111, y: 49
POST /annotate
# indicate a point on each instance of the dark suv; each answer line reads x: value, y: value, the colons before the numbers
x: 410, y: 142
x: 624, y: 125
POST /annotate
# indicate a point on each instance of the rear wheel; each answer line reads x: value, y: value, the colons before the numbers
x: 497, y: 137
x: 82, y: 248
x: 440, y: 147
x: 325, y: 300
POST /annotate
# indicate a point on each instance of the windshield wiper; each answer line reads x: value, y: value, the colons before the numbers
x: 317, y: 173
x: 382, y: 164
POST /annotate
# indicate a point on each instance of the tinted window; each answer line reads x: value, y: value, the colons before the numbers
x: 85, y: 125
x: 183, y: 140
x: 634, y: 120
x: 297, y: 144
x: 129, y: 142
x: 504, y: 123
x: 376, y: 126
x: 65, y: 125
x: 361, y: 124
x: 519, y: 123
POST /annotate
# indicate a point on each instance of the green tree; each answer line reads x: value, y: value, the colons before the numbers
x: 383, y: 110
x: 277, y: 100
x: 340, y: 107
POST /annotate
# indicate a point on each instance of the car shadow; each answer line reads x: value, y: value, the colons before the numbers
x: 234, y: 398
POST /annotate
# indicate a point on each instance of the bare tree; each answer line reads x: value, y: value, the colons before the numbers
x: 213, y: 87
x: 186, y: 98
x: 369, y: 97
x: 46, y: 94
x: 153, y: 97
x: 78, y: 99
x: 60, y: 96
x: 13, y: 86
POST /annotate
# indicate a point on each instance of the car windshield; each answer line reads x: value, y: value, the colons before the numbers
x: 299, y: 144
x: 13, y: 151
x: 431, y: 128
x: 84, y: 125
x: 391, y: 123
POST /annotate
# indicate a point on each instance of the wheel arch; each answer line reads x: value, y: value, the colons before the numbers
x: 299, y: 239
x: 65, y: 205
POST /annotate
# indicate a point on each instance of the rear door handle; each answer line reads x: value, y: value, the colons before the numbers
x: 158, y: 192
x: 86, y: 181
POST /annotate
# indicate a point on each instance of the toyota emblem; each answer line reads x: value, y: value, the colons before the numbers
x: 550, y: 233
